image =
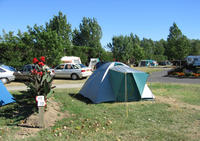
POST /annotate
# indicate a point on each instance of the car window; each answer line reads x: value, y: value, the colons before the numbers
x: 82, y: 66
x: 68, y: 66
x: 27, y: 68
x: 60, y: 67
x: 1, y: 70
x: 75, y: 67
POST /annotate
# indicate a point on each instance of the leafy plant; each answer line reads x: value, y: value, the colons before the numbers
x: 40, y: 80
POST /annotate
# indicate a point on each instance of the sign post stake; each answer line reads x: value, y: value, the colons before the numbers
x: 41, y: 103
x: 41, y: 116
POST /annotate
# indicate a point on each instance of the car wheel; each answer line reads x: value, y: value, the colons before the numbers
x: 74, y: 76
x: 4, y: 80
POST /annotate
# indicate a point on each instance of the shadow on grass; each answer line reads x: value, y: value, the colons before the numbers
x: 88, y: 101
x: 25, y: 106
x: 81, y: 98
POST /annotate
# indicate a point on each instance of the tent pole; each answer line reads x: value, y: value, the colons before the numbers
x: 126, y: 99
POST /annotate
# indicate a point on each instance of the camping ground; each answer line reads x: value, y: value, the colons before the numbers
x: 174, y: 115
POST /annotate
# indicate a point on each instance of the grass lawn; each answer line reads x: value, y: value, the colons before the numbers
x: 151, y: 69
x: 161, y: 119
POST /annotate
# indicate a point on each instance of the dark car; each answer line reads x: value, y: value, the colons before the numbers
x: 25, y: 72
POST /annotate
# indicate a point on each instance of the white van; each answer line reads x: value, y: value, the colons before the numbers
x: 71, y: 59
x: 93, y: 62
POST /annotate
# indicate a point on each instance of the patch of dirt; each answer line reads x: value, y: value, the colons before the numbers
x: 176, y: 103
x: 30, y: 126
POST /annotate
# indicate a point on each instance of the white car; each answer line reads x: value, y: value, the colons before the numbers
x: 73, y: 71
x: 6, y: 75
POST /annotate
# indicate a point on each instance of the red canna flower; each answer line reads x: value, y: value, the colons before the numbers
x: 34, y: 71
x: 42, y: 58
x: 35, y: 60
x: 41, y: 64
x: 40, y: 73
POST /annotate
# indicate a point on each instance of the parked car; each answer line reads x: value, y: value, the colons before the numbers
x: 73, y: 71
x: 8, y: 67
x: 165, y: 63
x: 6, y: 75
x: 148, y: 63
x: 25, y: 72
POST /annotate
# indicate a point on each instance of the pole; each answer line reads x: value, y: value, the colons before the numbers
x: 126, y: 99
x: 41, y: 116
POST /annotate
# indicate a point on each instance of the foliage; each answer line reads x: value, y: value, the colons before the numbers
x: 56, y: 39
x: 50, y: 41
x: 60, y: 25
x: 148, y: 46
x: 89, y: 33
x: 178, y: 46
x: 195, y: 47
x: 126, y: 48
x: 40, y: 80
x: 13, y: 51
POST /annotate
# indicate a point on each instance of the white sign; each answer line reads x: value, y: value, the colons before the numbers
x: 40, y: 101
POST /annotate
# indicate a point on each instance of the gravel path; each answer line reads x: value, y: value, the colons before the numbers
x: 154, y: 77
x: 58, y: 86
x: 161, y: 77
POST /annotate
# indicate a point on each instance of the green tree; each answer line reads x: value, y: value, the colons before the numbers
x: 137, y: 52
x: 11, y: 50
x: 60, y: 25
x: 46, y: 43
x: 148, y: 47
x: 89, y: 33
x: 195, y: 47
x: 159, y: 50
x: 177, y: 44
x: 122, y: 48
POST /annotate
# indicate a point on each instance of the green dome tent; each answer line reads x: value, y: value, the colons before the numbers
x: 115, y: 81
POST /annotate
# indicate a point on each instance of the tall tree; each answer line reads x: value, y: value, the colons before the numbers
x: 46, y: 43
x: 60, y: 25
x: 159, y: 50
x: 11, y: 50
x: 138, y: 52
x: 122, y: 48
x: 148, y: 47
x: 89, y: 33
x: 177, y: 44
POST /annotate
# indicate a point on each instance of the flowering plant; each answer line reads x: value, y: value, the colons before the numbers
x: 196, y: 74
x: 40, y: 80
x: 180, y: 73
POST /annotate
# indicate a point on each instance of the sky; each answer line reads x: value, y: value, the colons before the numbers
x: 145, y: 18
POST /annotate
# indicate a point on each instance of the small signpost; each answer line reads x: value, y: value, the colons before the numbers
x: 41, y: 103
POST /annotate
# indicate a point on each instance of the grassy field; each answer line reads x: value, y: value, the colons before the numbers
x: 174, y: 115
x: 151, y: 69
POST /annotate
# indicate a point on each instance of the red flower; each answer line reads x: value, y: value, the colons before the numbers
x: 41, y: 64
x: 40, y: 73
x: 42, y: 58
x: 34, y: 71
x: 35, y: 60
